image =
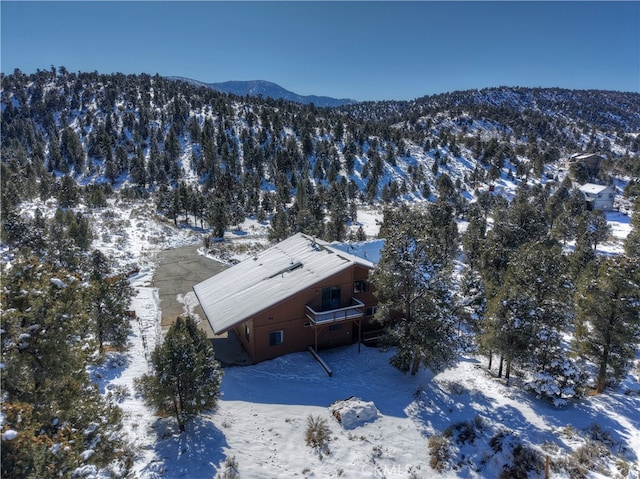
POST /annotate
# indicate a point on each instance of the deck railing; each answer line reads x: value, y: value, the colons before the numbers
x: 356, y: 310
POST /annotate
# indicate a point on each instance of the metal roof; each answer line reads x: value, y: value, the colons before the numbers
x: 271, y: 276
x: 592, y: 188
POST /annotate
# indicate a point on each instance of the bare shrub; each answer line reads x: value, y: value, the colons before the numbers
x: 525, y: 460
x: 584, y: 460
x: 497, y: 441
x: 317, y: 432
x: 596, y: 433
x: 463, y: 432
x: 440, y: 452
x: 229, y: 469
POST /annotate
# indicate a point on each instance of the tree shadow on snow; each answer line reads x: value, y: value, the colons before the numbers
x: 196, y: 453
x: 297, y: 379
x: 111, y: 368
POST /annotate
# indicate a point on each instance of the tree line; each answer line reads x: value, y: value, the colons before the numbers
x: 520, y: 295
x: 220, y: 158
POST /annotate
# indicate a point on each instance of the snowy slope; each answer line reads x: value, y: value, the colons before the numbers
x: 263, y: 411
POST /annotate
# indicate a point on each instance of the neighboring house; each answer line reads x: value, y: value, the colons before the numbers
x: 598, y: 197
x: 590, y: 160
x: 298, y: 293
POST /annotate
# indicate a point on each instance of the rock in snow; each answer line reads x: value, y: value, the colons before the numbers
x: 354, y: 412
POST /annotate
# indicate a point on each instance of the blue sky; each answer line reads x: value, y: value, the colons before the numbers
x: 360, y: 50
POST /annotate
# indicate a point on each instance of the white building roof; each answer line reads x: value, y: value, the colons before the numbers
x: 592, y: 188
x: 268, y: 278
x: 584, y: 156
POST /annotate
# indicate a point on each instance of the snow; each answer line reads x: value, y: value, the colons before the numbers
x: 367, y: 250
x: 9, y: 435
x: 262, y: 413
x: 354, y: 412
x: 58, y: 283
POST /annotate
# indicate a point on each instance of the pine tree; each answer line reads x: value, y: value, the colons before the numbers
x: 186, y: 378
x: 68, y: 195
x: 608, y: 317
x: 632, y: 243
x: 48, y: 397
x: 412, y: 281
x: 279, y: 228
x: 530, y: 311
x: 110, y: 297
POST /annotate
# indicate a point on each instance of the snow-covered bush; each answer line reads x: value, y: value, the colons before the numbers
x: 563, y: 379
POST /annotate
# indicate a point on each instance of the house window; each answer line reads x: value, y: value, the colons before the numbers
x: 247, y: 332
x: 372, y: 310
x: 335, y: 327
x: 330, y: 298
x: 276, y: 337
x: 307, y: 324
x: 360, y: 286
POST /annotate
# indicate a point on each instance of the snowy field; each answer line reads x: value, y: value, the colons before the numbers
x: 263, y: 411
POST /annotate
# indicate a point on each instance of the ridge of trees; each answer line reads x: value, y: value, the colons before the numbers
x: 221, y: 158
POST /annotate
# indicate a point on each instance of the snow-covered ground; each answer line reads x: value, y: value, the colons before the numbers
x: 263, y: 411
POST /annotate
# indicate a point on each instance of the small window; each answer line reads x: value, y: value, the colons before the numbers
x: 335, y: 327
x: 276, y: 338
x: 247, y: 332
x: 307, y: 324
x: 360, y: 286
x: 372, y: 310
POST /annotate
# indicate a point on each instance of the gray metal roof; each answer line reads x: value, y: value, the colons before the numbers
x: 271, y: 276
x: 592, y: 188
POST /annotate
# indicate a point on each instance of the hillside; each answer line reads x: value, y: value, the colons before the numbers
x: 102, y: 172
x: 152, y: 133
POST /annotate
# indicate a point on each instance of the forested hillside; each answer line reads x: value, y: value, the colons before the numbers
x: 504, y: 264
x: 223, y: 157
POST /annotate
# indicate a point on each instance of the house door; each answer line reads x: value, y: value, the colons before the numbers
x: 330, y: 298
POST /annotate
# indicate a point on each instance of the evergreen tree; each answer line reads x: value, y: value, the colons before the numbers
x: 597, y: 228
x: 110, y: 297
x: 279, y: 228
x: 48, y: 397
x: 632, y: 243
x: 474, y: 237
x: 68, y: 195
x: 186, y: 377
x: 608, y: 317
x: 412, y: 281
x: 530, y: 311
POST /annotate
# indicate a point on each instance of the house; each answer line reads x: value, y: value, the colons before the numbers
x: 589, y: 161
x: 298, y: 293
x: 598, y: 197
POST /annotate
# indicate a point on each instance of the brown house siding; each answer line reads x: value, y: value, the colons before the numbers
x: 289, y: 316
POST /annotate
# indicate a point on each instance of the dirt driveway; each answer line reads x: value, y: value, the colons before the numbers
x: 177, y: 271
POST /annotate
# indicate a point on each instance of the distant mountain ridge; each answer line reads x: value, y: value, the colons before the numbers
x: 268, y: 89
